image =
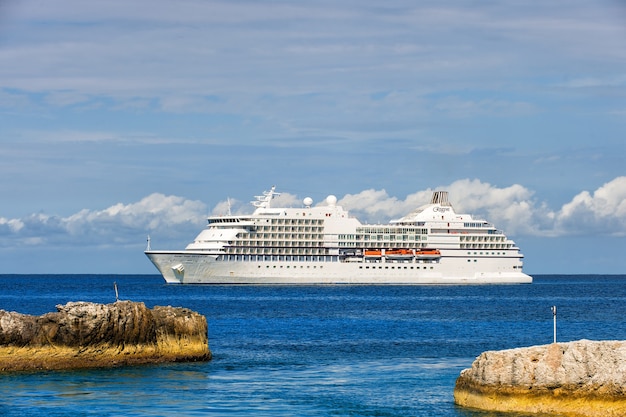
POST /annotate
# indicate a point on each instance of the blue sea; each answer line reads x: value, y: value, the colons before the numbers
x: 310, y: 351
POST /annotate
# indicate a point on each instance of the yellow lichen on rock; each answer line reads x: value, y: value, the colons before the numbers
x: 88, y: 335
x: 583, y: 378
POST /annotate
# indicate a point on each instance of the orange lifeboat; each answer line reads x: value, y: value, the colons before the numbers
x: 426, y: 253
x: 399, y: 254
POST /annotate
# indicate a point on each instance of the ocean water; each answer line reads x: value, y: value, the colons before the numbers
x: 310, y: 351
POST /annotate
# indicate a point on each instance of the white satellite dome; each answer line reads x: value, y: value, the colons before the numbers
x: 308, y: 201
x: 331, y: 200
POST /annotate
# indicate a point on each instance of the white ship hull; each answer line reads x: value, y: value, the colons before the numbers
x: 183, y: 267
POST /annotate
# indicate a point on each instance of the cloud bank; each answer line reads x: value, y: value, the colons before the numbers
x: 174, y: 218
x: 120, y: 224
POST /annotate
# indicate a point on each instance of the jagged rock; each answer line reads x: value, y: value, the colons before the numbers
x: 581, y: 378
x: 82, y: 334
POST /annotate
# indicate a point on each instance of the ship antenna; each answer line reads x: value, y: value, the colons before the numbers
x: 148, y: 247
x: 228, y: 200
x: 263, y: 201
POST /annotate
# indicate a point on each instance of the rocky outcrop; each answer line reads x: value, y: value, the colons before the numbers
x: 87, y: 335
x: 582, y: 378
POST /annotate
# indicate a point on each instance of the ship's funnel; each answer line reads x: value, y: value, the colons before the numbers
x: 441, y: 198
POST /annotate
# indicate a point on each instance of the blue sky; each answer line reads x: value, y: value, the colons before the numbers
x: 121, y: 119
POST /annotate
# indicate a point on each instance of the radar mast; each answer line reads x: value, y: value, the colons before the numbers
x: 263, y: 201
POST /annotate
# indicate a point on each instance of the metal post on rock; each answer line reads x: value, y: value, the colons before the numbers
x: 554, y: 318
x: 117, y: 298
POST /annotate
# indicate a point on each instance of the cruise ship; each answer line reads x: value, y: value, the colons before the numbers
x: 323, y: 244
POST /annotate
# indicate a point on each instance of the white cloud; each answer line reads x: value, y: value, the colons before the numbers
x: 11, y: 225
x: 171, y: 216
x: 509, y: 206
x: 512, y: 209
x: 603, y: 212
x: 287, y: 200
x: 375, y: 205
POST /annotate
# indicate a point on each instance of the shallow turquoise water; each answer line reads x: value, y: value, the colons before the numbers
x: 310, y: 351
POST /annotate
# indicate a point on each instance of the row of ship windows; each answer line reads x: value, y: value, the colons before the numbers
x: 297, y: 221
x: 416, y: 237
x: 380, y: 245
x: 385, y: 238
x: 360, y: 267
x: 309, y: 250
x: 394, y: 267
x: 486, y: 246
x: 387, y: 231
x: 281, y: 236
x: 358, y: 238
x: 276, y: 250
x: 475, y: 224
x: 261, y: 246
x: 313, y: 225
x: 369, y: 244
x: 399, y: 237
x: 377, y: 245
x: 413, y: 230
x: 306, y: 258
x: 282, y: 258
x: 489, y: 238
x: 314, y: 229
x: 342, y: 238
x: 288, y: 266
